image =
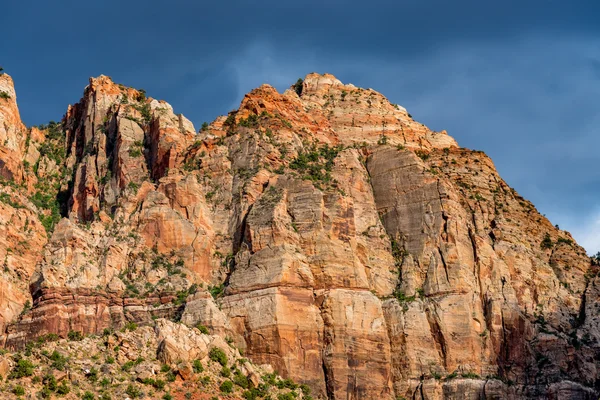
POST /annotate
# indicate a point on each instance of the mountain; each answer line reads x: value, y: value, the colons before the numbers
x: 322, y: 231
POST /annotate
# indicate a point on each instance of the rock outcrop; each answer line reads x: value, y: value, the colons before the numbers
x: 170, y: 361
x: 321, y: 230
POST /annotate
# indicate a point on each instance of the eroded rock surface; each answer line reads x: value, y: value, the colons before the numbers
x: 322, y: 231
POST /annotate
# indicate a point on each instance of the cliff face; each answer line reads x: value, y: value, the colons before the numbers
x: 342, y: 242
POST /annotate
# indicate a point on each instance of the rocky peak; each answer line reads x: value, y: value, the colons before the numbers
x: 12, y: 132
x: 7, y: 86
x: 365, y: 116
x: 314, y: 83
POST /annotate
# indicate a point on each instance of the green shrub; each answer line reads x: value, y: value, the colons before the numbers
x: 546, y: 242
x: 127, y: 366
x: 133, y: 391
x: 197, y: 364
x: 202, y: 329
x: 451, y: 376
x: 130, y: 326
x: 63, y: 388
x: 4, y: 95
x: 423, y: 155
x: 19, y: 390
x: 256, y: 393
x: 170, y: 376
x: 75, y: 335
x: 305, y: 389
x: 50, y: 337
x: 88, y: 396
x: 59, y: 361
x: 241, y: 380
x: 216, y: 291
x: 271, y: 379
x: 93, y: 375
x: 218, y: 355
x: 230, y: 121
x: 22, y: 369
x: 167, y: 396
x: 225, y: 372
x: 135, y: 152
x: 382, y: 140
x: 145, y: 111
x: 205, y: 380
x: 226, y: 387
x: 565, y: 240
x: 250, y: 122
x: 133, y: 186
x: 148, y: 381
x: 50, y: 382
x: 286, y: 384
x: 45, y: 393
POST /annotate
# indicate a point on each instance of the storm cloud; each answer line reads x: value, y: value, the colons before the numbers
x: 518, y: 80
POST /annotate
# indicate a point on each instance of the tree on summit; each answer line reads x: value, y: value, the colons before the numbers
x: 298, y: 86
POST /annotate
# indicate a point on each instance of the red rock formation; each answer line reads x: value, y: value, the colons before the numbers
x: 344, y: 243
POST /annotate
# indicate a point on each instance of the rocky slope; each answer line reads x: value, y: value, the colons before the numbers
x: 168, y: 362
x: 322, y: 230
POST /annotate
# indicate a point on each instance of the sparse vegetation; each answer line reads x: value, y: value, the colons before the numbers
x: 202, y: 329
x: 315, y: 163
x: 21, y: 369
x: 218, y: 355
x: 216, y: 291
x: 423, y: 155
x: 226, y: 387
x: 75, y: 335
x: 18, y: 390
x: 547, y: 242
x: 197, y: 365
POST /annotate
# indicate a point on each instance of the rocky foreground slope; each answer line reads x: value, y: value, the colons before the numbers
x: 323, y: 231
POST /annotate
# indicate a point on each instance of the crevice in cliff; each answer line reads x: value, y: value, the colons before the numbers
x: 328, y: 377
x: 326, y: 335
x: 437, y: 335
x: 504, y: 352
x: 240, y: 235
x: 418, y: 392
x: 580, y: 320
x: 444, y: 265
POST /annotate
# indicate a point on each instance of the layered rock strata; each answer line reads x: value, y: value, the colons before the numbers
x: 322, y: 230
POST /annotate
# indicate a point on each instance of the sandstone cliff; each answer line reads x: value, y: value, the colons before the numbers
x: 322, y: 230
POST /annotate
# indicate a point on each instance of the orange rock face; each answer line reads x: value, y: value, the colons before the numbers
x: 342, y: 242
x: 12, y: 133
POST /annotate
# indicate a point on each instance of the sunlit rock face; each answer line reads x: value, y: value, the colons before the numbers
x: 322, y: 231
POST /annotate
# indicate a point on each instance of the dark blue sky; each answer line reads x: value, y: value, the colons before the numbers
x: 517, y: 79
